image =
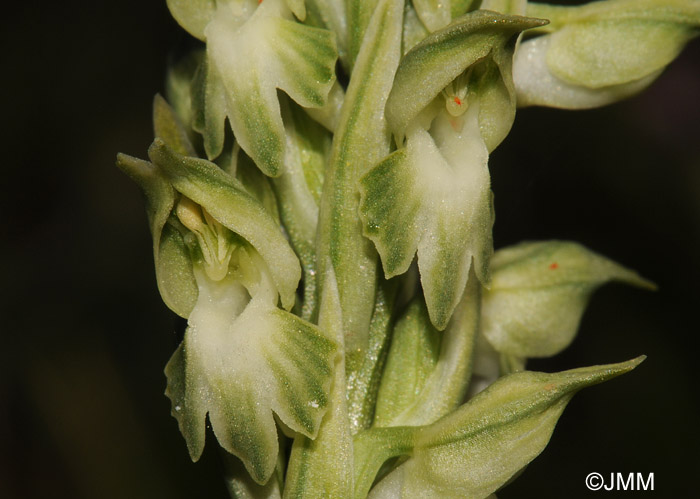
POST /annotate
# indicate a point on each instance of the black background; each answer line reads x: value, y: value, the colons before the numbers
x: 85, y: 336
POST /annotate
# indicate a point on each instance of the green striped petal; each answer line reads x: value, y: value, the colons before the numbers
x: 330, y: 14
x: 241, y: 359
x: 478, y: 37
x: 538, y: 293
x: 433, y: 198
x: 255, y: 57
x: 231, y: 205
x: 481, y: 446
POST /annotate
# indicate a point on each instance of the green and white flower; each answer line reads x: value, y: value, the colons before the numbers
x: 432, y: 196
x: 360, y: 134
x: 598, y: 53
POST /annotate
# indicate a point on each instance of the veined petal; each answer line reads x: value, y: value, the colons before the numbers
x: 252, y: 60
x: 228, y: 202
x: 434, y: 200
x: 330, y: 14
x: 359, y: 13
x: 241, y: 359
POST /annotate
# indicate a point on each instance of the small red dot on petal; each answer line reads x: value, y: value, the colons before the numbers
x: 458, y: 101
x: 554, y: 266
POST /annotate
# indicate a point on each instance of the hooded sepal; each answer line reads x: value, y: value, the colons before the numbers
x: 538, y: 293
x: 227, y: 201
x: 587, y: 60
x: 483, y: 40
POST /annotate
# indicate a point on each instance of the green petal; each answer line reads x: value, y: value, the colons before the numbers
x: 209, y: 108
x: 178, y: 88
x: 241, y: 368
x: 439, y: 59
x: 174, y: 273
x: 539, y: 292
x: 434, y: 201
x: 330, y: 14
x: 478, y: 448
x: 299, y: 191
x: 173, y: 266
x: 192, y: 15
x: 252, y: 60
x: 228, y: 202
x: 363, y: 382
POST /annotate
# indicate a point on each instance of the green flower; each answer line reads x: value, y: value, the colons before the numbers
x: 224, y: 264
x: 601, y: 52
x: 453, y: 101
x: 253, y: 49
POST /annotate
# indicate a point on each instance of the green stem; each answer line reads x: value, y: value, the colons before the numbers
x: 361, y: 140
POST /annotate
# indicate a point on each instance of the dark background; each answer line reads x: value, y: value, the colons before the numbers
x: 85, y: 336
